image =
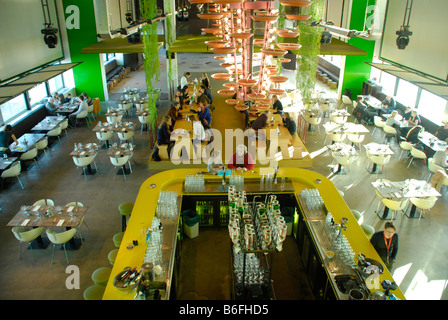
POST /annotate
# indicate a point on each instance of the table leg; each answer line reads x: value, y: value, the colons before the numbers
x: 412, y: 212
x: 89, y: 171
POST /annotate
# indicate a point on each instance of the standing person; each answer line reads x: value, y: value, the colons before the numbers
x: 277, y: 105
x: 82, y: 107
x: 184, y: 79
x: 386, y: 244
x: 289, y: 123
x: 6, y: 136
x: 241, y: 160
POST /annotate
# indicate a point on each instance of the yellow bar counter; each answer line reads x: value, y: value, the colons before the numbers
x: 173, y: 180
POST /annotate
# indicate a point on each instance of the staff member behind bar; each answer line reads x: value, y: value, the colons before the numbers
x: 386, y: 244
x: 6, y: 136
x: 241, y: 160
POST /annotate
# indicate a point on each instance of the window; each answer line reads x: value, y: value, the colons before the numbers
x: 37, y: 94
x: 69, y: 80
x: 388, y: 83
x: 406, y: 93
x: 432, y: 107
x: 108, y: 56
x: 13, y: 108
x: 56, y: 83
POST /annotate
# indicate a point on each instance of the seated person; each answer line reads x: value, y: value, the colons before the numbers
x: 442, y: 132
x: 6, y: 138
x: 185, y: 94
x: 215, y: 162
x: 68, y: 98
x: 201, y: 96
x: 51, y: 107
x: 163, y: 137
x: 87, y: 98
x: 366, y: 113
x: 205, y: 81
x: 277, y: 105
x: 204, y: 90
x: 241, y: 160
x: 261, y: 121
x: 440, y: 158
x: 412, y: 134
x: 82, y: 107
x: 174, y: 114
x: 389, y: 105
x: 414, y: 119
x: 59, y: 98
x: 392, y: 121
x: 204, y: 114
x: 407, y: 113
x: 289, y: 123
x: 179, y: 97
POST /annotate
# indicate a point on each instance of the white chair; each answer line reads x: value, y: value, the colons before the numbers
x: 13, y: 171
x: 314, y: 121
x: 90, y: 111
x: 395, y: 205
x: 337, y: 137
x: 114, y: 119
x: 120, y: 162
x: 338, y: 119
x: 325, y: 107
x: 433, y: 168
x: 30, y: 155
x: 24, y: 234
x: 379, y: 123
x: 144, y: 122
x: 60, y: 238
x: 42, y: 144
x: 389, y: 131
x: 83, y: 162
x: 125, y: 106
x: 83, y: 115
x: 82, y: 222
x: 378, y: 196
x: 416, y: 154
x: 405, y: 146
x: 380, y: 160
x: 64, y: 126
x: 126, y: 136
x: 56, y: 132
x: 356, y: 139
x: 343, y: 160
x: 346, y: 101
x: 423, y: 204
x: 44, y: 202
x: 104, y: 136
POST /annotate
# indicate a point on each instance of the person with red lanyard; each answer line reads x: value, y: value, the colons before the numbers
x: 386, y: 244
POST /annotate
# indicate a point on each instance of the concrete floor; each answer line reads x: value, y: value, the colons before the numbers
x: 420, y: 269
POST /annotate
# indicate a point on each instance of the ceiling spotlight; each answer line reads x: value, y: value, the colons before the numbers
x: 326, y: 37
x: 404, y: 33
x: 50, y: 37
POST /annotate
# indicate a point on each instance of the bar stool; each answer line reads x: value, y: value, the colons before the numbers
x: 112, y: 256
x: 117, y: 238
x: 125, y: 209
x: 94, y: 292
x: 101, y: 275
x: 368, y: 229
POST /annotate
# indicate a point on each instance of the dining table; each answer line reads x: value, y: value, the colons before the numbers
x: 6, y: 162
x: 377, y: 149
x: 86, y: 150
x: 371, y: 101
x: 341, y: 149
x: 50, y: 217
x: 409, y: 188
x: 280, y: 134
x: 348, y: 127
x: 431, y: 143
x: 67, y: 108
x: 115, y: 127
x: 49, y: 123
x: 121, y: 150
x: 26, y: 142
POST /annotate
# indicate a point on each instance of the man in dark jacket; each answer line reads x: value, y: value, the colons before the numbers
x: 261, y: 121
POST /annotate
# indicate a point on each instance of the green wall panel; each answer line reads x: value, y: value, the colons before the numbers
x: 356, y: 70
x: 88, y: 74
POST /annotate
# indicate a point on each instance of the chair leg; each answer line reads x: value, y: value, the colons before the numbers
x: 20, y: 251
x: 85, y: 175
x: 19, y: 182
x: 410, y: 162
x: 52, y: 256
x: 130, y: 167
x: 65, y: 251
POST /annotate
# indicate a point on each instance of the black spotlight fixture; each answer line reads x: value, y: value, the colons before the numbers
x: 404, y: 33
x: 326, y: 37
x: 50, y: 37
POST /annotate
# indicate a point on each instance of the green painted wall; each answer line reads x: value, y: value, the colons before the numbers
x: 356, y: 70
x: 88, y: 74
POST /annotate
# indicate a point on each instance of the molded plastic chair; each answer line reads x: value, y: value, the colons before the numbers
x: 423, y: 204
x: 346, y: 101
x: 120, y: 162
x: 24, y: 234
x: 125, y: 106
x: 395, y: 205
x: 338, y: 119
x: 379, y: 123
x: 42, y: 144
x: 356, y: 139
x: 104, y: 135
x: 82, y: 116
x: 416, y: 154
x: 389, y: 131
x: 343, y: 160
x: 380, y: 160
x: 13, y: 171
x: 126, y: 136
x: 60, y: 238
x: 114, y: 119
x: 64, y: 126
x: 44, y: 202
x: 56, y: 132
x: 405, y: 146
x: 143, y: 121
x: 337, y: 137
x: 94, y: 292
x: 30, y: 155
x: 433, y: 168
x: 314, y: 121
x: 84, y: 162
x: 83, y: 221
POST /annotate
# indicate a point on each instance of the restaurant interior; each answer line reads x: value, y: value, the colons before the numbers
x: 68, y: 162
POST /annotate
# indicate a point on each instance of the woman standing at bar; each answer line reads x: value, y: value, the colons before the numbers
x: 386, y: 244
